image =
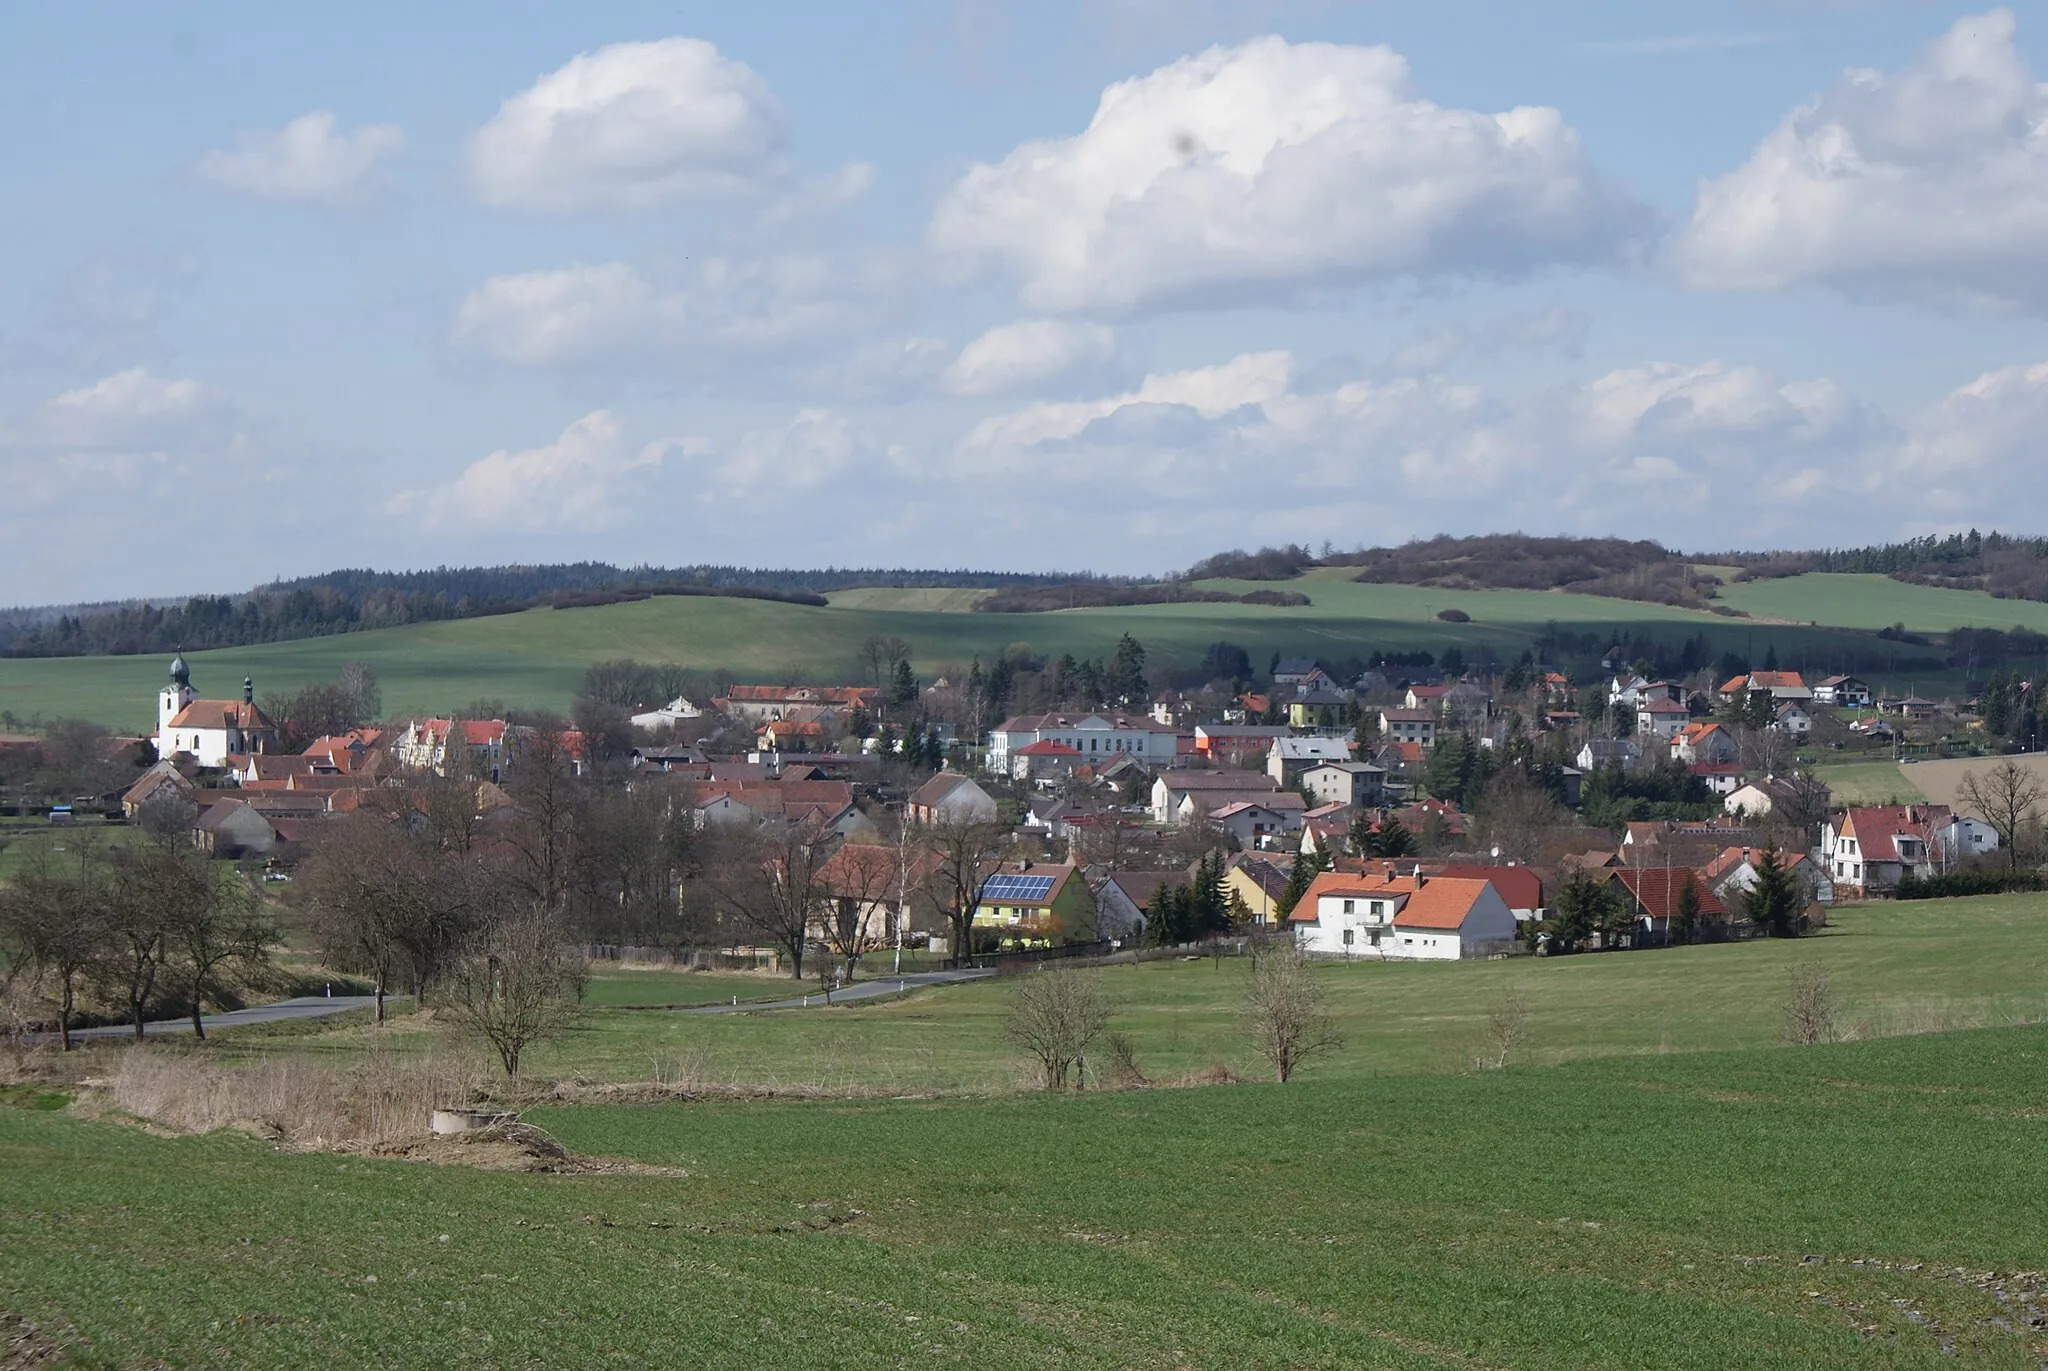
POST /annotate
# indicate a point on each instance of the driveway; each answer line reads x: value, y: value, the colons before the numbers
x: 307, y: 1007
x: 870, y: 989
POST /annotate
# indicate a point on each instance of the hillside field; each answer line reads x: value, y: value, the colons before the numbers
x: 537, y: 657
x: 1874, y: 602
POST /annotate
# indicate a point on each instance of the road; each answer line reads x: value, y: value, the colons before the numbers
x: 308, y: 1007
x: 874, y: 988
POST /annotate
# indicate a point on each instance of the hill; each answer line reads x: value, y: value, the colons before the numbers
x: 536, y: 657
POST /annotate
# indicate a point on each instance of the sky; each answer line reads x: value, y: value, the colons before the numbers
x: 1105, y: 285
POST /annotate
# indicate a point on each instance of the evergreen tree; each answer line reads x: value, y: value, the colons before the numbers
x: 902, y: 685
x: 1773, y: 903
x: 1392, y: 840
x: 1298, y: 879
x: 1168, y: 917
x: 1581, y: 909
x: 1685, y: 917
x: 1760, y: 709
x: 1126, y: 682
x: 1065, y: 673
x: 1361, y: 838
x: 859, y: 724
x: 1771, y: 658
x: 1995, y: 705
x: 1209, y: 909
x: 1449, y: 772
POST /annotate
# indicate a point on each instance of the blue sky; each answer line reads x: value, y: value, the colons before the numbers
x: 972, y: 282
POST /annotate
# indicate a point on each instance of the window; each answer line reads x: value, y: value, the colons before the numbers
x: 1347, y: 937
x: 1350, y: 906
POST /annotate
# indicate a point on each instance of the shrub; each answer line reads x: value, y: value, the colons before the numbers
x: 1454, y: 616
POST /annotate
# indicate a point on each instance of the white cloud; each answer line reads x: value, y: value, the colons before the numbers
x: 1208, y: 392
x: 1272, y: 168
x: 579, y: 481
x: 630, y: 127
x: 1029, y: 354
x: 716, y: 312
x: 134, y: 409
x: 1929, y: 182
x: 1975, y: 457
x: 305, y: 162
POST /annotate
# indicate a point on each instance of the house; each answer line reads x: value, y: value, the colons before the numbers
x: 1293, y: 671
x: 1733, y: 874
x: 1429, y: 697
x: 761, y: 704
x: 1868, y: 851
x: 1258, y: 881
x: 874, y: 892
x: 1844, y: 692
x: 1096, y: 736
x: 1046, y: 759
x: 1653, y: 894
x: 1779, y: 685
x: 1433, y: 813
x: 425, y: 745
x: 1635, y: 691
x: 1520, y: 888
x: 1704, y: 742
x: 1963, y: 836
x: 1622, y: 753
x: 209, y: 731
x: 1557, y: 688
x: 1221, y: 740
x: 1320, y: 709
x: 1425, y: 918
x: 792, y: 735
x: 1175, y: 711
x: 1758, y: 798
x: 1465, y: 705
x: 1036, y: 902
x: 1661, y: 720
x: 1123, y: 897
x: 1911, y: 708
x: 950, y: 798
x: 1256, y: 823
x: 234, y: 829
x: 1792, y: 719
x: 160, y: 784
x: 1410, y: 724
x: 1292, y: 757
x: 1172, y: 789
x: 1720, y: 778
x: 669, y: 715
x: 1351, y: 784
x: 1326, y: 828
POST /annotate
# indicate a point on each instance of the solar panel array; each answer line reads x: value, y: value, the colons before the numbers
x: 1025, y: 889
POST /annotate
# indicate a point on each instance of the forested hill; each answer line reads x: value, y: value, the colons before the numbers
x: 352, y: 600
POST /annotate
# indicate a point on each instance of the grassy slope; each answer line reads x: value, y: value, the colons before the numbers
x: 1869, y: 783
x: 1873, y: 602
x: 1894, y: 967
x: 1752, y: 1210
x: 536, y: 658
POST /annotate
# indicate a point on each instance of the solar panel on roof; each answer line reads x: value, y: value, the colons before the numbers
x: 1023, y: 888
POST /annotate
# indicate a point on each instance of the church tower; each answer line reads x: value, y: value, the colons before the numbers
x: 175, y: 695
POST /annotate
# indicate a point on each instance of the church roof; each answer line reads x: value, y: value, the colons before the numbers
x: 221, y: 714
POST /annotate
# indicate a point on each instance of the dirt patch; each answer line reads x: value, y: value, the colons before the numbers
x: 25, y: 1347
x: 513, y: 1147
x: 1940, y: 781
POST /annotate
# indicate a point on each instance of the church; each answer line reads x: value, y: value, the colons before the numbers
x: 210, y: 731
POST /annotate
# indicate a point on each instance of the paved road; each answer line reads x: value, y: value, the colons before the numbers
x: 870, y: 989
x: 309, y: 1007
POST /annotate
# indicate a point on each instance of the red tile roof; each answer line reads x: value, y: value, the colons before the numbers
x: 1444, y: 902
x: 1518, y: 886
x: 1656, y: 890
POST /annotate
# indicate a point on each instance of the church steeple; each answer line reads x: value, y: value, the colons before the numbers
x: 181, y: 675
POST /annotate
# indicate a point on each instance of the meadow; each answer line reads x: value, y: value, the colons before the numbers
x: 1874, y: 602
x: 1856, y: 1205
x: 536, y: 658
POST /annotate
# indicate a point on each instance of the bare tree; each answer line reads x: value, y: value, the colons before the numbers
x: 1809, y: 1006
x: 877, y: 656
x: 359, y: 684
x: 517, y: 983
x: 224, y: 925
x: 965, y: 848
x: 167, y: 816
x: 855, y: 883
x: 1055, y: 1014
x: 1516, y: 815
x: 54, y: 915
x: 1284, y: 1009
x: 1507, y: 1027
x: 2004, y: 796
x: 766, y: 881
x: 146, y: 889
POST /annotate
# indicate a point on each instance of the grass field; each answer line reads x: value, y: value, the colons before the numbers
x: 21, y: 840
x: 537, y: 658
x: 1841, y: 1206
x: 1870, y: 783
x: 1873, y: 602
x: 1894, y: 968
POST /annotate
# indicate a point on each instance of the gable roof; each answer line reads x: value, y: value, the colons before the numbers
x: 1048, y: 747
x: 1518, y: 886
x: 1656, y: 889
x: 1443, y: 902
x: 1877, y: 828
x: 936, y: 790
x: 221, y: 714
x: 1218, y: 780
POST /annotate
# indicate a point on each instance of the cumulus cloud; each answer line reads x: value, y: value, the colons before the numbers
x: 1272, y: 168
x: 306, y: 162
x: 630, y: 127
x: 1928, y: 182
x: 579, y: 481
x: 716, y: 311
x: 1029, y: 354
x: 132, y: 409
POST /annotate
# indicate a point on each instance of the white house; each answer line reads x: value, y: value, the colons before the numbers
x: 1100, y: 736
x: 1963, y: 836
x: 210, y: 731
x: 1171, y: 790
x: 1704, y: 742
x: 1869, y: 850
x: 1616, y: 752
x: 1254, y: 824
x: 1661, y: 719
x: 1793, y: 719
x: 1411, y: 725
x: 1345, y: 783
x: 669, y: 715
x: 1846, y: 692
x: 951, y: 798
x: 1291, y: 757
x: 1421, y: 918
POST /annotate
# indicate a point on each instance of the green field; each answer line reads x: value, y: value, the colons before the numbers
x: 1844, y: 1206
x: 1868, y: 783
x: 536, y: 658
x: 1874, y: 602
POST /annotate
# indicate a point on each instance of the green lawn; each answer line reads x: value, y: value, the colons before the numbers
x: 1843, y: 1206
x: 1868, y: 783
x: 21, y: 839
x: 538, y: 657
x: 616, y: 987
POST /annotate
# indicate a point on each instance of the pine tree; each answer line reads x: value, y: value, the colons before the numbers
x: 1210, y: 910
x: 902, y: 685
x: 1771, y: 658
x: 1773, y: 903
x: 1126, y: 682
x: 1361, y: 837
x: 1393, y: 840
x: 1685, y: 917
x: 1449, y: 772
x: 1299, y: 877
